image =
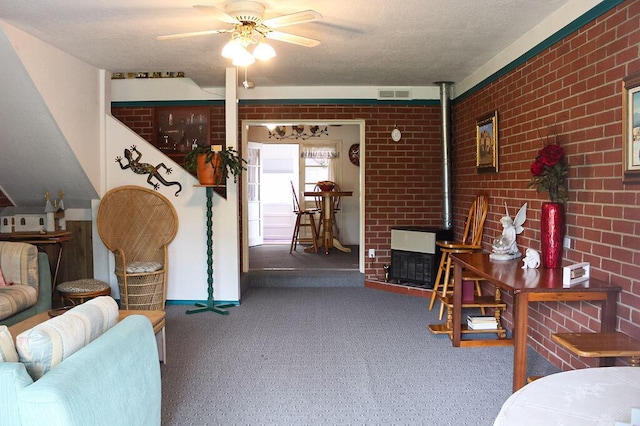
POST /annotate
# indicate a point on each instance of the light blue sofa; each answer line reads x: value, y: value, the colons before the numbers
x: 114, y: 380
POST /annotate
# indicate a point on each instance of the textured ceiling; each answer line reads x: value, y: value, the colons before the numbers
x: 363, y: 42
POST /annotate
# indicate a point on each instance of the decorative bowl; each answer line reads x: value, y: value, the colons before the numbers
x: 326, y: 185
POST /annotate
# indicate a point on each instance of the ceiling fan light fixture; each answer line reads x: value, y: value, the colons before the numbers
x: 243, y: 58
x: 232, y: 49
x: 264, y: 51
x: 250, y: 29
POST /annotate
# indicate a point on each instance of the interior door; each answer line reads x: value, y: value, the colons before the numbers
x: 254, y: 197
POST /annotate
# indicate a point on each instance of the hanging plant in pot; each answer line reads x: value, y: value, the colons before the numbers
x: 550, y: 170
x: 213, y: 164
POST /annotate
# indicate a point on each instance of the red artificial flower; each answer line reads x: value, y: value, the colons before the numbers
x: 550, y: 171
x: 551, y: 154
x: 537, y: 168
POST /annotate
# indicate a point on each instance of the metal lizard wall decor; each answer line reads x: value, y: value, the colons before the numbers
x: 146, y: 169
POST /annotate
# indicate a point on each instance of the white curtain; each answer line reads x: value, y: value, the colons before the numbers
x: 325, y: 154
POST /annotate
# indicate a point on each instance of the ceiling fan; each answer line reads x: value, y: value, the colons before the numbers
x: 249, y: 28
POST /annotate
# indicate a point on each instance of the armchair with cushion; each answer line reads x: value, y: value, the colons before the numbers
x: 27, y: 278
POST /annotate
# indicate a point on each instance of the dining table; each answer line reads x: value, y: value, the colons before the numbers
x: 328, y: 240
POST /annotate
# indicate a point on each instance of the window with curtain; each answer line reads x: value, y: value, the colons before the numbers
x: 319, y: 162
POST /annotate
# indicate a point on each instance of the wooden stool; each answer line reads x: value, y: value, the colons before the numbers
x: 79, y: 291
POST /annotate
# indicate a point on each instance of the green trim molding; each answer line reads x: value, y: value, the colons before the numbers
x: 578, y: 23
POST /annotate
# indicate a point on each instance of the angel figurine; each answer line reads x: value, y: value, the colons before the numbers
x: 505, y: 247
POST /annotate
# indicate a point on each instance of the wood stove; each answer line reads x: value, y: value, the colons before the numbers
x: 415, y: 255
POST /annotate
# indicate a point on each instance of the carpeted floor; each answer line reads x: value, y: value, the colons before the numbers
x: 334, y: 356
x: 277, y: 257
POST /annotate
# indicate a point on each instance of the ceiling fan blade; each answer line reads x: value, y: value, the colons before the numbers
x: 291, y: 38
x: 194, y: 34
x: 218, y: 14
x: 292, y: 19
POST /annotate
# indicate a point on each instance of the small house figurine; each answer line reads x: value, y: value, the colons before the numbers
x: 61, y: 222
x: 50, y: 224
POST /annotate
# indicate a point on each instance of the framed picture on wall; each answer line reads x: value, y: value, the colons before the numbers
x: 487, y: 143
x: 631, y: 128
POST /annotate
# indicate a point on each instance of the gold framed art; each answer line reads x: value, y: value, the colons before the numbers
x: 487, y: 143
x: 631, y: 129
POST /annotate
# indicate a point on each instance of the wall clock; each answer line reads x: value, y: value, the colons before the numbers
x: 354, y: 154
x: 396, y: 135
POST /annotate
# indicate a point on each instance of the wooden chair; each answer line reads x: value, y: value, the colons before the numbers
x: 310, y: 223
x: 471, y: 241
x: 137, y: 225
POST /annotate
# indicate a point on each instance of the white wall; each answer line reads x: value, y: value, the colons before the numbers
x: 78, y: 96
x: 71, y: 90
x: 188, y: 251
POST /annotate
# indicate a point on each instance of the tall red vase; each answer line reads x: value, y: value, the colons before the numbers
x: 552, y: 234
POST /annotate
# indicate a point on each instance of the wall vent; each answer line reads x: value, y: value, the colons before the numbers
x: 391, y: 94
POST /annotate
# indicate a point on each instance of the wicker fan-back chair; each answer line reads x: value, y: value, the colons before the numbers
x: 137, y: 224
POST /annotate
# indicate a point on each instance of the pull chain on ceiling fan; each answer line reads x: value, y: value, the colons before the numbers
x: 249, y: 29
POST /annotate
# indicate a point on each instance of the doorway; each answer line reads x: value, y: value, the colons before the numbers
x: 277, y: 168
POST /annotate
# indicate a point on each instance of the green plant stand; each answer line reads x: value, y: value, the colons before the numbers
x: 211, y: 305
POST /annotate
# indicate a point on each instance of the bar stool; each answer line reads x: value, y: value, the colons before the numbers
x: 311, y: 224
x: 471, y: 242
x: 79, y: 291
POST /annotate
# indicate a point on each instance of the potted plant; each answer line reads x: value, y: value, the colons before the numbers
x: 213, y: 164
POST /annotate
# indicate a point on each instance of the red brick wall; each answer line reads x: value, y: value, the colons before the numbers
x: 138, y: 119
x: 576, y: 83
x: 141, y: 120
x: 403, y: 180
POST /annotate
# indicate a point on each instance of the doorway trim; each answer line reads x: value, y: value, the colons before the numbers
x: 246, y: 124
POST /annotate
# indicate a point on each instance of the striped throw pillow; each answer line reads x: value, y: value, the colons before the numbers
x: 46, y: 345
x: 7, y: 349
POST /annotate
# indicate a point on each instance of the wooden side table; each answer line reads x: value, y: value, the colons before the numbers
x: 600, y: 345
x: 157, y: 319
x: 40, y: 240
x: 528, y: 286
